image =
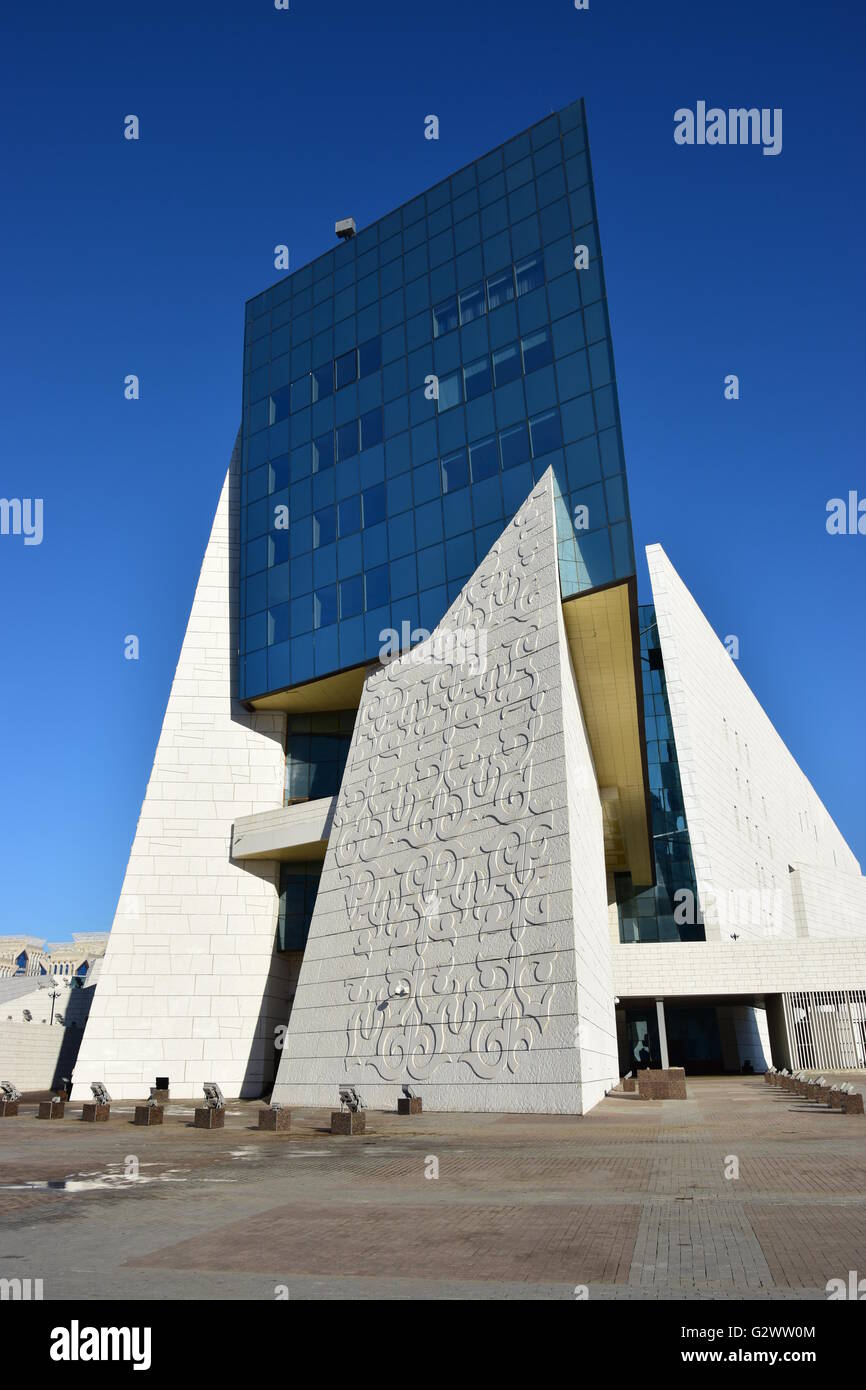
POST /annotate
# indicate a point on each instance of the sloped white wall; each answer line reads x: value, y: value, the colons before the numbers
x: 751, y: 811
x: 459, y: 940
x: 190, y: 986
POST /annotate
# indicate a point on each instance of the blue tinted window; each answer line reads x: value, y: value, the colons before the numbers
x: 324, y: 526
x: 449, y: 391
x: 472, y: 304
x: 506, y: 364
x: 514, y: 444
x: 300, y: 393
x: 529, y: 274
x: 374, y: 504
x: 350, y: 516
x: 485, y: 459
x: 323, y: 452
x: 377, y: 586
x: 370, y: 357
x: 500, y: 288
x: 546, y: 432
x: 371, y: 428
x: 323, y: 381
x: 279, y: 405
x: 477, y: 378
x: 347, y: 440
x: 444, y: 317
x: 455, y: 471
x: 346, y: 368
x: 537, y: 350
x: 325, y: 606
x: 352, y: 596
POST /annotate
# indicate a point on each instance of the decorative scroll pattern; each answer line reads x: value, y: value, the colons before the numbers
x: 442, y: 848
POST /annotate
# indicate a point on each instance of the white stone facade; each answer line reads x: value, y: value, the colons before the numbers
x: 752, y: 813
x: 190, y: 986
x: 459, y: 939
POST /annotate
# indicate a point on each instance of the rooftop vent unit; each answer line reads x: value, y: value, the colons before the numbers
x: 345, y: 229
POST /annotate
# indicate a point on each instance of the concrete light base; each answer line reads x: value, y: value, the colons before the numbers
x: 148, y: 1115
x: 852, y: 1105
x: 348, y: 1122
x: 275, y: 1121
x: 407, y: 1105
x: 206, y: 1117
x: 51, y: 1110
x: 91, y: 1111
x: 662, y: 1084
x: 8, y: 1108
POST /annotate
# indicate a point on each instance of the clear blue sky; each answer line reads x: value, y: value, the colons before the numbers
x: 259, y: 127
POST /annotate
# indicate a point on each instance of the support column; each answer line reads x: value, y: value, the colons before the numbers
x: 663, y: 1034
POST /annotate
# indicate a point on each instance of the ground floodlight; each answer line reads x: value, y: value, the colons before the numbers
x: 409, y: 1093
x: 100, y: 1094
x: 9, y: 1091
x: 350, y: 1100
x: 213, y: 1096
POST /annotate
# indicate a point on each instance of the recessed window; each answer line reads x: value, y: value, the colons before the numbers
x: 301, y: 392
x: 370, y: 357
x: 455, y: 471
x: 324, y: 526
x: 323, y: 452
x: 514, y: 444
x: 472, y: 304
x: 506, y: 364
x: 449, y: 391
x: 347, y: 368
x: 325, y: 606
x: 529, y: 274
x: 537, y: 350
x: 374, y: 504
x: 323, y: 382
x: 350, y: 516
x: 279, y: 407
x: 546, y: 432
x: 371, y: 428
x: 376, y: 583
x: 352, y: 596
x: 444, y: 317
x: 278, y: 624
x: 500, y: 289
x: 476, y: 377
x: 347, y: 440
x: 485, y: 459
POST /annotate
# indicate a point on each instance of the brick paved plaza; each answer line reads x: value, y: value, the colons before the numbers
x: 631, y: 1201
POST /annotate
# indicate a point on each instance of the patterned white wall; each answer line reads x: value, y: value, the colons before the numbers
x: 751, y: 810
x: 460, y: 939
x: 190, y: 986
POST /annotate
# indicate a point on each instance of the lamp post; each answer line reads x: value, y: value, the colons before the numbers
x: 54, y: 995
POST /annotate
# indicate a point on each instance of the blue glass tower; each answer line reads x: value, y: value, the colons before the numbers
x: 403, y: 392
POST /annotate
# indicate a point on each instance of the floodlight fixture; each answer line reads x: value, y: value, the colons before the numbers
x: 9, y: 1091
x: 100, y: 1093
x: 213, y: 1096
x: 350, y: 1100
x: 409, y: 1093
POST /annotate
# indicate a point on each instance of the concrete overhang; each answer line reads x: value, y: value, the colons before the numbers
x: 604, y: 641
x: 291, y: 832
x: 340, y: 691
